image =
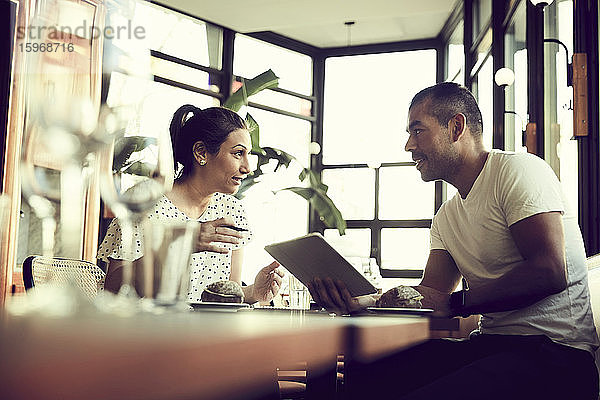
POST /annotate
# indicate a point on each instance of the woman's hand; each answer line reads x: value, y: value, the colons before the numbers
x: 214, y: 232
x: 267, y: 282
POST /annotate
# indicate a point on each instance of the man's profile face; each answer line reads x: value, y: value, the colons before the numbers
x: 429, y: 143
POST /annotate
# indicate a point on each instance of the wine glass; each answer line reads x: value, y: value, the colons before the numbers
x: 136, y: 167
x: 135, y: 172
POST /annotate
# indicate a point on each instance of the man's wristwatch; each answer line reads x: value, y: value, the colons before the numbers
x: 457, y: 304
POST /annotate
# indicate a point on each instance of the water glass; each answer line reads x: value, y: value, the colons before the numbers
x: 299, y: 295
x: 168, y: 247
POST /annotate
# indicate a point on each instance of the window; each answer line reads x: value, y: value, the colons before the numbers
x: 285, y: 120
x: 370, y: 176
x: 416, y: 238
x: 156, y: 102
x: 180, y: 36
x: 483, y: 93
x: 381, y: 87
x: 252, y: 57
x: 356, y: 201
x: 516, y: 94
x: 455, y: 73
x: 482, y: 13
x: 456, y: 56
x: 395, y: 202
x: 560, y: 151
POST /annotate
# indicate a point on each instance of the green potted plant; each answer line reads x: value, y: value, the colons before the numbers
x: 314, y: 191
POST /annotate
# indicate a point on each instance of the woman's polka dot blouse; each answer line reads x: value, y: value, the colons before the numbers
x: 206, y: 267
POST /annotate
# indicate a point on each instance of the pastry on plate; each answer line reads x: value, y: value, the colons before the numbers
x: 223, y: 292
x: 400, y: 296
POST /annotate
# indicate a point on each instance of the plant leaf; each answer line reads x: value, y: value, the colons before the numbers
x: 126, y: 146
x: 248, y: 182
x: 254, y: 131
x: 323, y: 205
x: 266, y: 80
x: 140, y: 168
x: 314, y: 180
x: 281, y: 156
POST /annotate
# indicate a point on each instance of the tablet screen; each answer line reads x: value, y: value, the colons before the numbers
x: 310, y: 256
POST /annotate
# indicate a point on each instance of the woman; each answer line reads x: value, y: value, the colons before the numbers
x: 210, y: 148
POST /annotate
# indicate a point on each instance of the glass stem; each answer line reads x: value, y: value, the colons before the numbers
x: 48, y: 230
x: 127, y: 241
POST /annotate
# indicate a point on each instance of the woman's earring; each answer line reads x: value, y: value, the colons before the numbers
x: 202, y: 162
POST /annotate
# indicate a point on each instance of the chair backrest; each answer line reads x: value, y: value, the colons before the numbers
x: 40, y: 270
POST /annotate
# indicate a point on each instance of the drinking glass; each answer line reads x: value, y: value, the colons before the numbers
x: 135, y: 166
x: 134, y: 174
x: 167, y: 251
x: 299, y: 295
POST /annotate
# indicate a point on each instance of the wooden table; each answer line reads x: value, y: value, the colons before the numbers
x: 199, y: 355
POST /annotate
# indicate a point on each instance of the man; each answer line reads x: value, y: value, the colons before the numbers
x: 509, y: 233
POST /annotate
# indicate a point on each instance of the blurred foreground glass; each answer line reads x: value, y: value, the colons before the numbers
x: 62, y: 103
x: 299, y: 295
x: 4, y: 215
x: 136, y: 167
x: 166, y: 262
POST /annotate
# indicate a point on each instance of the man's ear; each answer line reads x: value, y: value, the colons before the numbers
x: 457, y: 126
x: 199, y: 151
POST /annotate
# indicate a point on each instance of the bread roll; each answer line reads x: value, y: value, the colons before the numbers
x: 400, y: 296
x: 223, y: 292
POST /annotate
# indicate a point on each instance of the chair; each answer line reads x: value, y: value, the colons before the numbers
x: 292, y: 381
x: 40, y: 270
x: 593, y: 265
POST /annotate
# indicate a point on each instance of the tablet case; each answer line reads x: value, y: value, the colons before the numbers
x: 310, y: 256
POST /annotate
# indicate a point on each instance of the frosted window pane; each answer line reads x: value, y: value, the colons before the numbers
x: 181, y: 73
x: 273, y: 218
x: 485, y: 82
x: 289, y: 134
x: 404, y: 195
x: 253, y: 57
x: 366, y: 104
x: 356, y: 243
x: 404, y: 248
x: 155, y: 102
x: 352, y: 191
x: 178, y: 35
x: 283, y: 101
x: 284, y: 215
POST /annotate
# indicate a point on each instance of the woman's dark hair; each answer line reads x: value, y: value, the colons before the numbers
x: 212, y: 126
x: 447, y: 100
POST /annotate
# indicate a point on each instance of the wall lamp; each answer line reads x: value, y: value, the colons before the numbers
x: 504, y: 77
x: 569, y: 64
x: 541, y: 3
x: 576, y: 78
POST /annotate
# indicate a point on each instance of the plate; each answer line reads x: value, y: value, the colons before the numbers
x: 400, y: 310
x: 215, y: 306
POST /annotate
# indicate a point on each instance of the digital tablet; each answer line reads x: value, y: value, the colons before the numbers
x: 310, y: 256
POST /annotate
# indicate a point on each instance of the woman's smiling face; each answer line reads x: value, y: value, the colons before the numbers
x: 226, y: 169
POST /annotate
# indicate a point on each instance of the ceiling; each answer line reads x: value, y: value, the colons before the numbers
x: 321, y: 22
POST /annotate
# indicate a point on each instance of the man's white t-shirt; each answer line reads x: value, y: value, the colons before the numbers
x: 475, y: 231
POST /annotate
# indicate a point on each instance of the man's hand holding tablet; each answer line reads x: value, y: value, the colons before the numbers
x: 334, y: 296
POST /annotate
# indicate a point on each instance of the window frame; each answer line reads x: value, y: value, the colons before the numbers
x: 376, y: 224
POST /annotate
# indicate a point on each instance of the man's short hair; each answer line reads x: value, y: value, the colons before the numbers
x: 448, y: 99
